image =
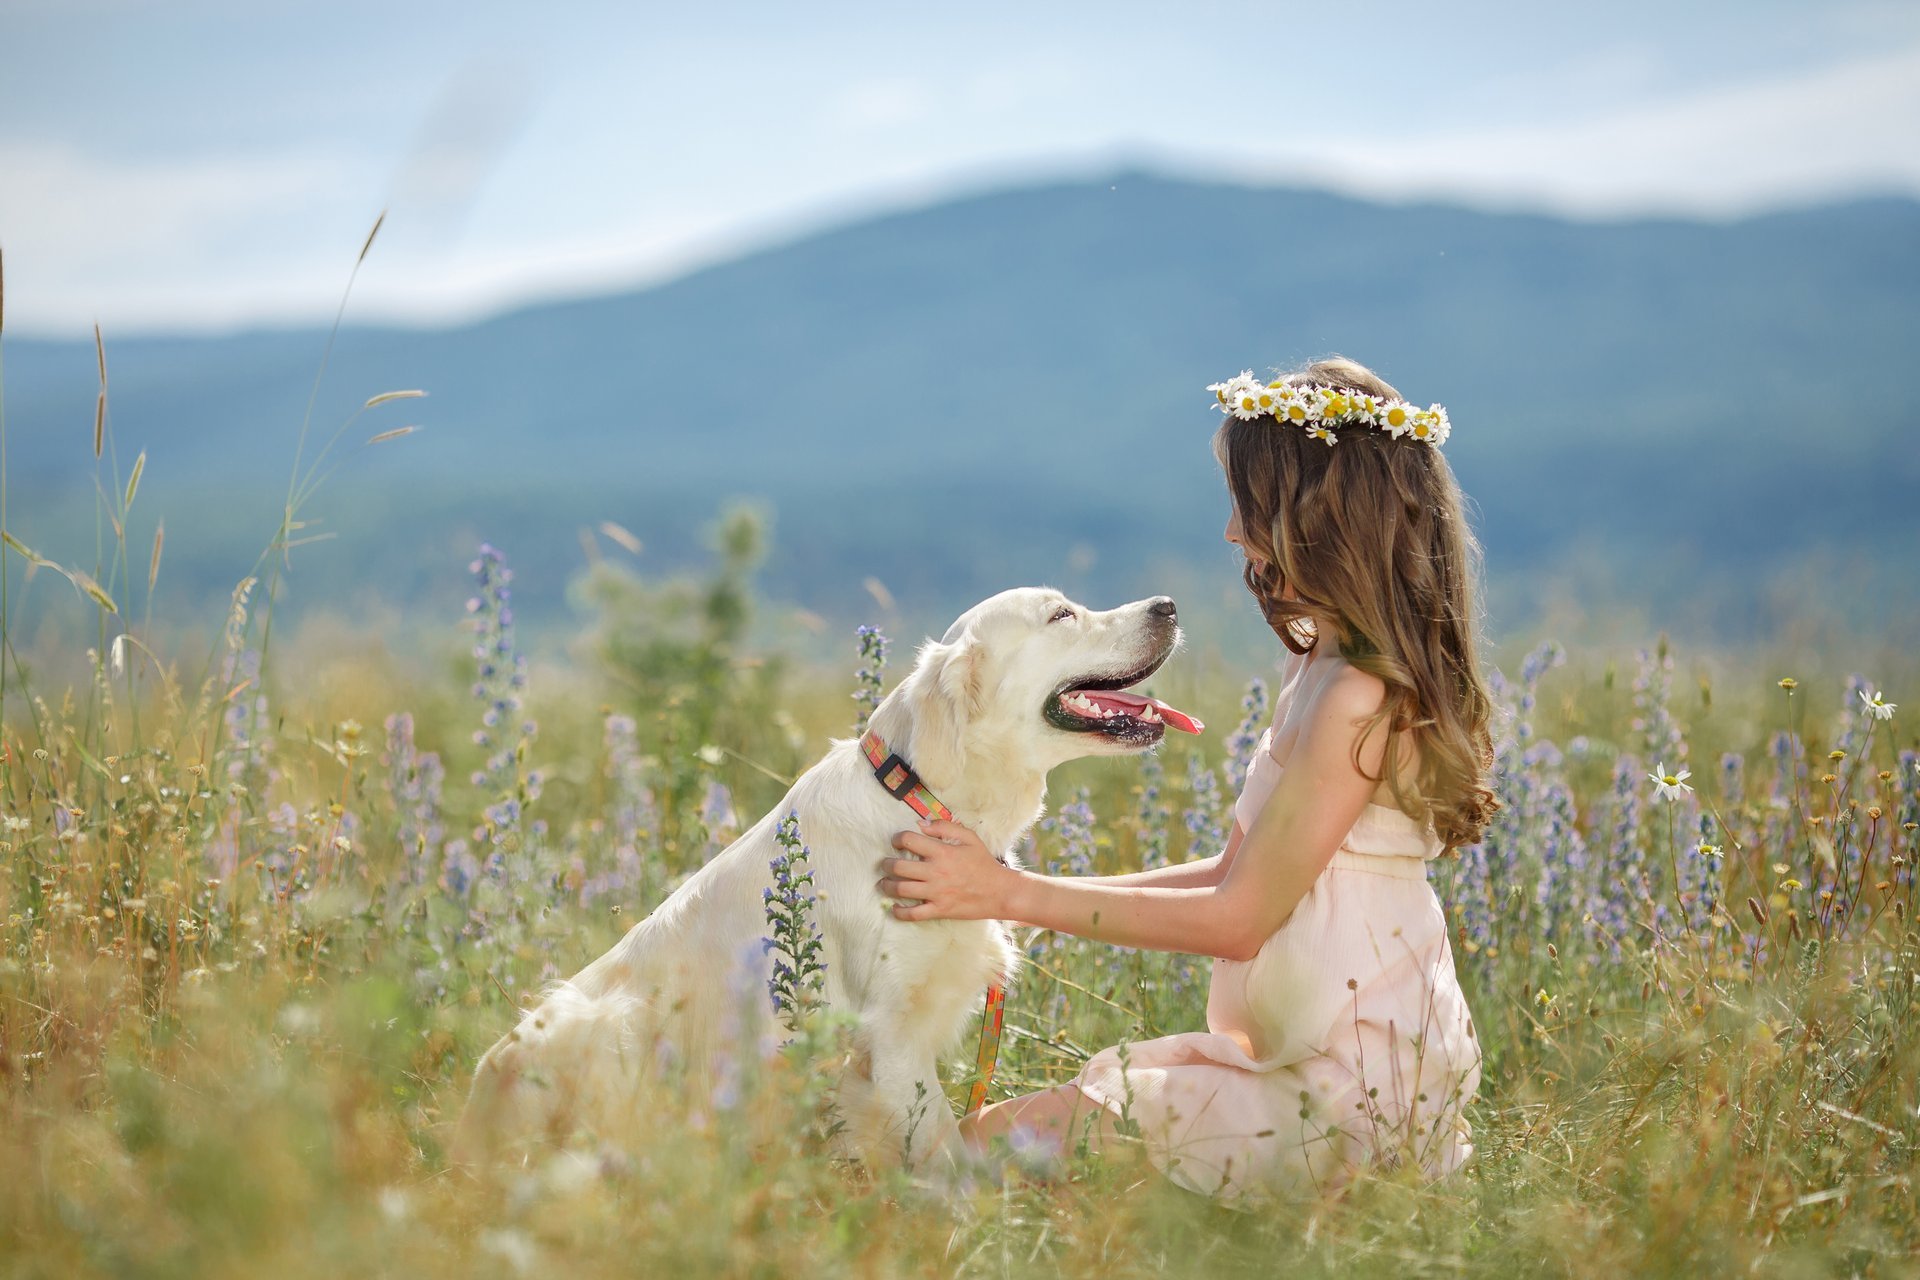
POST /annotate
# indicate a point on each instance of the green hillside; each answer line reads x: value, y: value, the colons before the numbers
x: 956, y: 398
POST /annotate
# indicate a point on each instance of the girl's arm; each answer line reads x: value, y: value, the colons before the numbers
x: 1316, y: 802
x: 1200, y: 873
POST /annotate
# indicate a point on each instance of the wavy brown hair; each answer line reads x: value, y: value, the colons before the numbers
x: 1370, y: 536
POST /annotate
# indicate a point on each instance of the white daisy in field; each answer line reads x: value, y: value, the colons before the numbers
x: 1877, y: 705
x: 1319, y: 432
x: 1670, y: 785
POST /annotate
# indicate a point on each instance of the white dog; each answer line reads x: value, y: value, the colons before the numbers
x: 1019, y: 684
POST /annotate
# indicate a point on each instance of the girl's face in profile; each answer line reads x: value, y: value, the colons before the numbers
x: 1236, y: 534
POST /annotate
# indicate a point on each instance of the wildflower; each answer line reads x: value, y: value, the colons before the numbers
x: 869, y: 679
x: 1073, y: 826
x: 1246, y: 737
x: 1877, y: 706
x: 1321, y: 433
x: 1670, y: 785
x: 1789, y: 683
x: 1205, y: 817
x: 1153, y: 814
x: 502, y: 680
x: 798, y: 984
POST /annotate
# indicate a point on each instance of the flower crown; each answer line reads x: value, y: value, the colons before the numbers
x: 1320, y: 409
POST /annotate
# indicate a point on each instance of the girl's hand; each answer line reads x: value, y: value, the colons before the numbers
x: 955, y: 876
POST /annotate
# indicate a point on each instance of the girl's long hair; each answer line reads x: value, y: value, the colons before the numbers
x: 1371, y: 536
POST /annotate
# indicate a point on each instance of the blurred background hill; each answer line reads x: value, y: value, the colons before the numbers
x: 1006, y: 388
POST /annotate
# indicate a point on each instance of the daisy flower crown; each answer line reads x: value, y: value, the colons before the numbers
x: 1319, y: 409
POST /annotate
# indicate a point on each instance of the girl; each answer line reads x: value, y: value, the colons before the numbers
x: 1336, y: 1032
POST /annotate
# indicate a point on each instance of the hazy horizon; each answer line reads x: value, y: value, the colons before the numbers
x: 215, y: 166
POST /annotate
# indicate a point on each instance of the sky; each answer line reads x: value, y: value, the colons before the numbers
x: 209, y: 166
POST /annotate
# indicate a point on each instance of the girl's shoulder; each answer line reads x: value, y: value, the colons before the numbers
x: 1325, y: 693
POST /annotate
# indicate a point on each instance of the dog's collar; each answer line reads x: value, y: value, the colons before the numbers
x: 901, y: 782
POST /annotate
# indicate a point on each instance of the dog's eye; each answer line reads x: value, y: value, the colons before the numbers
x: 1061, y: 614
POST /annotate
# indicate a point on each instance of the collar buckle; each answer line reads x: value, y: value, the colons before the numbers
x: 893, y: 766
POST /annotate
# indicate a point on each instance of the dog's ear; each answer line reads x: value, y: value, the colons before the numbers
x: 960, y: 674
x: 950, y: 683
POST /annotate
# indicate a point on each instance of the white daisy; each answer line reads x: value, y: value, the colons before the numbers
x: 1232, y: 391
x: 1315, y: 401
x: 1670, y: 785
x: 1320, y: 433
x: 1243, y: 396
x: 1397, y: 417
x: 1877, y: 705
x: 1429, y: 425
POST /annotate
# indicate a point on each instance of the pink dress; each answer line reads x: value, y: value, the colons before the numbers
x: 1344, y: 1042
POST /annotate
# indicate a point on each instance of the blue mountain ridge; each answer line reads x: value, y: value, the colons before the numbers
x: 1008, y: 388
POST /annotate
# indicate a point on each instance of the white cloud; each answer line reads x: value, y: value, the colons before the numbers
x: 143, y: 241
x: 1817, y: 136
x: 223, y: 240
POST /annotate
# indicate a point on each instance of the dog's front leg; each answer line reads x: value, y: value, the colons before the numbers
x: 895, y: 1112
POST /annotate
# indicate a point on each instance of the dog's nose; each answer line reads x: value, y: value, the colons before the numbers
x: 1162, y: 607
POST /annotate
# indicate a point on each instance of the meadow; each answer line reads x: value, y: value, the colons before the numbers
x: 265, y: 900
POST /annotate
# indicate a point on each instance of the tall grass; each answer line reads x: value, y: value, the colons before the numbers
x: 257, y: 922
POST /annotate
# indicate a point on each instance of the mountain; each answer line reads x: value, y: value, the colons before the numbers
x: 1008, y: 388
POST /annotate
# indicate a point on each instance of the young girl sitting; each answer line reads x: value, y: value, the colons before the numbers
x: 1337, y: 1036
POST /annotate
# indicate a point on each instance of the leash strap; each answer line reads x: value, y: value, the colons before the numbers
x: 904, y: 785
x: 988, y: 1055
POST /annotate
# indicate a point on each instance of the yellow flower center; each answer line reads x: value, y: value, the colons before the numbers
x: 1221, y: 396
x: 1672, y: 780
x: 1296, y: 413
x: 1421, y: 429
x: 1266, y: 401
x: 1246, y: 402
x: 1397, y: 417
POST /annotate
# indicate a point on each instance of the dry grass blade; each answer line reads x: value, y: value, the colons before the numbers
x: 99, y: 422
x: 100, y: 354
x: 26, y: 551
x: 621, y: 535
x: 94, y: 589
x: 133, y: 481
x: 394, y: 434
x: 385, y: 396
x: 153, y: 568
x: 377, y: 224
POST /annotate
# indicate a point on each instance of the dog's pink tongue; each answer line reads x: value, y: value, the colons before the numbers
x: 1135, y: 702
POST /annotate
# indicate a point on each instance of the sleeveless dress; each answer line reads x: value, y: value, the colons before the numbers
x: 1345, y: 1042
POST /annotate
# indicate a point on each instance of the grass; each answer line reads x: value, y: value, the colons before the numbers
x: 260, y: 913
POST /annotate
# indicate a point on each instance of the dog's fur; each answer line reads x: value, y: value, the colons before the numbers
x: 970, y: 719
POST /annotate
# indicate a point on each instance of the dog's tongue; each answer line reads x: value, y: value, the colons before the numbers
x: 1136, y: 702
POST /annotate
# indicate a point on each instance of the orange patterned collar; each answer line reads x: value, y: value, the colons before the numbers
x: 901, y: 782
